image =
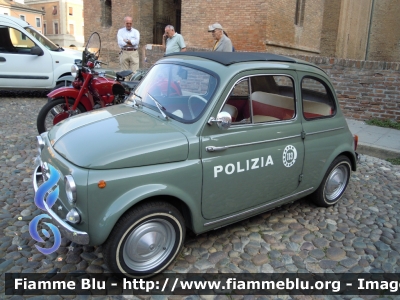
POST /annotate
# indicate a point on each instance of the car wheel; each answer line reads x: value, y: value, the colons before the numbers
x: 145, y: 240
x: 334, y: 183
x: 55, y: 111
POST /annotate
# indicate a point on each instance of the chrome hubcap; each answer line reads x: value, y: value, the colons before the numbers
x: 336, y: 182
x: 149, y: 245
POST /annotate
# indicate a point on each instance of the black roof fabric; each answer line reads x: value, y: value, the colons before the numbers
x: 229, y: 58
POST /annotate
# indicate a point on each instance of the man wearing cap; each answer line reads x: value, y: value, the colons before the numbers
x: 222, y: 43
x: 173, y: 41
x: 128, y: 41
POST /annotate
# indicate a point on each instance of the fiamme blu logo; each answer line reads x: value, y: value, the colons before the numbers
x: 52, y: 194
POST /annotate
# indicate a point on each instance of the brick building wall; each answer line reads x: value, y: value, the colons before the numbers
x: 385, y: 34
x: 259, y: 25
x: 365, y: 89
x: 294, y: 27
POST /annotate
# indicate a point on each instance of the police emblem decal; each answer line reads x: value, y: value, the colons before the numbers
x: 289, y: 156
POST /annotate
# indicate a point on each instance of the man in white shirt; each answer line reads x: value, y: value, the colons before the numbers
x: 128, y: 41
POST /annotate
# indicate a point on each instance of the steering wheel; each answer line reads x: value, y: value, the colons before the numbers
x: 190, y: 105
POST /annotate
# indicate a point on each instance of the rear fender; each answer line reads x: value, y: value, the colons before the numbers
x: 71, y: 93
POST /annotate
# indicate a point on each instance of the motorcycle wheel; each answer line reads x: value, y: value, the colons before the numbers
x: 55, y: 111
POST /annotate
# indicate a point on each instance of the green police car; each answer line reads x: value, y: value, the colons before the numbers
x: 207, y: 139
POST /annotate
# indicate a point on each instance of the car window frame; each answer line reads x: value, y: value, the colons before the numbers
x: 296, y: 107
x: 330, y: 94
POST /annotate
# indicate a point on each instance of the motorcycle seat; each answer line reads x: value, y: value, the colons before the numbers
x: 130, y: 85
x: 123, y: 74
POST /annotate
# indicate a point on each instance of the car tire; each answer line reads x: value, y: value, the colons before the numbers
x: 334, y: 182
x: 50, y: 110
x: 145, y: 240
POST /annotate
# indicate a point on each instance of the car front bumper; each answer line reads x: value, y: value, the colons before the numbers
x: 76, y: 236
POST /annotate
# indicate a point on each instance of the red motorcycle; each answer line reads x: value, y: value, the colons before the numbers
x: 90, y: 89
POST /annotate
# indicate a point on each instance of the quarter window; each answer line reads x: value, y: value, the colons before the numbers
x: 317, y: 99
x: 261, y: 99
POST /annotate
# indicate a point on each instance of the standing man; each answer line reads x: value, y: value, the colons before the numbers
x: 128, y: 41
x: 222, y: 43
x: 173, y: 40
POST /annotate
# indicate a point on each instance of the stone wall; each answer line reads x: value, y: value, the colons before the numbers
x: 365, y: 89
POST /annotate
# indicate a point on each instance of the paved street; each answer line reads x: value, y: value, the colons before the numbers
x: 360, y: 234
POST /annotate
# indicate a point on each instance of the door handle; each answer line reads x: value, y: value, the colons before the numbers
x: 215, y: 149
x: 2, y: 59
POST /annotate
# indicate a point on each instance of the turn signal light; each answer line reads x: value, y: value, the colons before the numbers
x: 101, y: 184
x: 355, y: 142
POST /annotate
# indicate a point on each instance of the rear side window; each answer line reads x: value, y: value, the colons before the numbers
x: 318, y: 101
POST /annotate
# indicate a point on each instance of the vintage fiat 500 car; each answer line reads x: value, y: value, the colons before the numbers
x: 207, y: 139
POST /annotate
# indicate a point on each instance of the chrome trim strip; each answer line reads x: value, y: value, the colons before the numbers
x: 214, y: 149
x: 250, y: 211
x: 79, y: 237
x: 322, y: 131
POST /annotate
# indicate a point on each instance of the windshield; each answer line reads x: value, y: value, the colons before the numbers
x: 42, y: 39
x: 180, y: 92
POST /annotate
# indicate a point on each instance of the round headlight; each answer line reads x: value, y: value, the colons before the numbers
x: 74, y: 70
x: 70, y: 188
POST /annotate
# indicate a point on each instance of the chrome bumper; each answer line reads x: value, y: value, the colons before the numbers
x: 76, y: 236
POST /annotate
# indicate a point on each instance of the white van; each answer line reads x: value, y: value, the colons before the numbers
x: 29, y: 60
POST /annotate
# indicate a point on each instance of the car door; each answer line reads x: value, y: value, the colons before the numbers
x: 18, y: 67
x: 323, y: 130
x: 260, y: 157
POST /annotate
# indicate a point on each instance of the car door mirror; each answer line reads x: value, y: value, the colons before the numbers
x: 36, y: 50
x: 223, y: 120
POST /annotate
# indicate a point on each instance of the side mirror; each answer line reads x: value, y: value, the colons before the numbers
x: 223, y: 120
x: 36, y: 50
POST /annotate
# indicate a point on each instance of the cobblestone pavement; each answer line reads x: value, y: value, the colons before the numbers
x: 360, y: 234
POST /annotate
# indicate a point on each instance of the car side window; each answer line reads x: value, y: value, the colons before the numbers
x: 318, y: 101
x: 260, y: 99
x: 14, y: 41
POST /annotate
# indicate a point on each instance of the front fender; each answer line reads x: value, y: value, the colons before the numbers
x: 128, y: 187
x: 70, y: 92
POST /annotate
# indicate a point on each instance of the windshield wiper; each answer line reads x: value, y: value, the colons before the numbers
x: 159, y: 106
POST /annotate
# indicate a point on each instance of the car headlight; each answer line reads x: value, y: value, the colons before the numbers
x: 70, y: 188
x: 74, y: 70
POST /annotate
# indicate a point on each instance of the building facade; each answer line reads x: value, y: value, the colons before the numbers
x: 63, y: 20
x: 351, y: 29
x: 19, y: 10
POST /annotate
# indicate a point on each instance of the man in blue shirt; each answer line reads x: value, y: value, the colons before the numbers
x: 128, y: 41
x: 173, y: 40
